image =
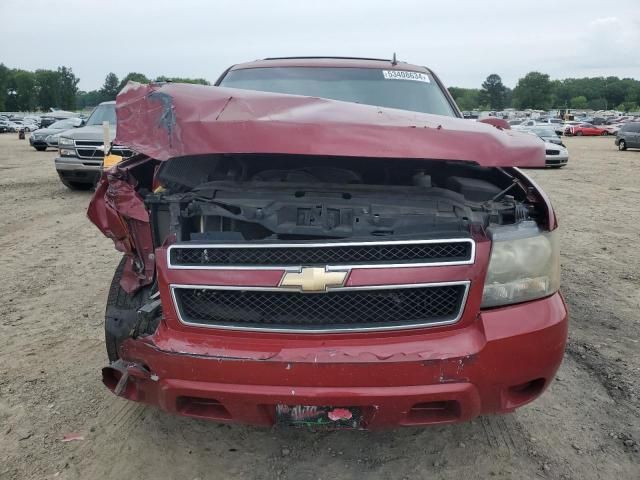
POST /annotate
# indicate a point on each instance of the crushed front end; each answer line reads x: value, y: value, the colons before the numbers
x: 271, y: 285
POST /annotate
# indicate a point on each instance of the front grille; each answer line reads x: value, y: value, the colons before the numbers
x: 553, y: 152
x: 91, y: 149
x: 372, y: 253
x: 353, y: 309
x: 90, y: 153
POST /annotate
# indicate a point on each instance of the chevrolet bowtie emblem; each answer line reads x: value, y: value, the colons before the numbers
x: 310, y: 279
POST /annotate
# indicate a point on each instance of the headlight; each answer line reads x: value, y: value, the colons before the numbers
x: 525, y: 265
x: 65, y: 152
x: 65, y: 141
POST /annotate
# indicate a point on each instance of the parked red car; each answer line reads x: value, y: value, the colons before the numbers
x: 585, y: 129
x: 355, y: 255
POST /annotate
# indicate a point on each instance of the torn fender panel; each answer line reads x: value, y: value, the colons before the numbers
x: 164, y: 121
x: 119, y: 213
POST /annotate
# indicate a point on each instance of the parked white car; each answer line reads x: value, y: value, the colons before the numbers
x: 612, y: 129
x: 556, y: 155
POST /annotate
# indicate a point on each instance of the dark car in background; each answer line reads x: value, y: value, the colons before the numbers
x: 55, y: 115
x: 48, y: 137
x: 628, y: 136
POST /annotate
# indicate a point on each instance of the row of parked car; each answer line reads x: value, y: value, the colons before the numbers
x: 79, y: 141
x: 11, y: 122
x: 15, y: 124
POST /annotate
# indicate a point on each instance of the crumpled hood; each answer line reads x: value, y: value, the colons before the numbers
x: 164, y: 121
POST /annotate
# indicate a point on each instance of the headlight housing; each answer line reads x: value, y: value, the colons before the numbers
x: 524, y: 265
x: 64, y: 141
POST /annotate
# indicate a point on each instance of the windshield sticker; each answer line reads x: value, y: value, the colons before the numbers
x: 405, y: 75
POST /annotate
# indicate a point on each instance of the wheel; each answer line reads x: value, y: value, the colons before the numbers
x: 604, y: 133
x: 75, y: 185
x: 120, y: 316
x: 622, y: 145
x: 40, y: 149
x: 578, y: 133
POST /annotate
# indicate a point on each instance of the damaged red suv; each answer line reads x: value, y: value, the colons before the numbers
x: 326, y: 242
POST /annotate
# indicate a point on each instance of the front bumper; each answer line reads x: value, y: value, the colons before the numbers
x: 77, y: 170
x: 501, y: 360
x: 40, y: 142
x: 556, y: 160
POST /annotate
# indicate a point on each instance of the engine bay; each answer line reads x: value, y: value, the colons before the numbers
x: 244, y: 198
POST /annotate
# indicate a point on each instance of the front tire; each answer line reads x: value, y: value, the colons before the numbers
x: 40, y: 149
x: 622, y: 145
x: 578, y: 134
x: 121, y: 312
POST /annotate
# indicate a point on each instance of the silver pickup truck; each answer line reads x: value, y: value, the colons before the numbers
x: 81, y: 151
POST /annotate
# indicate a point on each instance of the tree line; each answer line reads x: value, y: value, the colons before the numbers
x: 23, y: 90
x: 112, y: 85
x: 26, y: 91
x: 537, y: 91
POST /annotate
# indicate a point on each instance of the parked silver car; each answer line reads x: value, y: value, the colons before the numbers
x: 48, y: 137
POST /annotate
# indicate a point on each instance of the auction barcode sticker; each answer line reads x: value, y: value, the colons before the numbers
x: 405, y: 75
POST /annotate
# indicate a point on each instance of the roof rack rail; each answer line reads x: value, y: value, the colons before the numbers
x: 328, y: 56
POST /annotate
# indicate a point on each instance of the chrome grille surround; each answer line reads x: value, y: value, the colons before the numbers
x: 329, y: 265
x: 453, y: 318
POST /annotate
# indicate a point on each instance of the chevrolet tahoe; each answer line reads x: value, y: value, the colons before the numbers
x: 326, y: 242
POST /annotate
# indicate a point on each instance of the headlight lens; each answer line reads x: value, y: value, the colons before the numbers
x: 65, y: 141
x: 65, y: 152
x: 525, y: 265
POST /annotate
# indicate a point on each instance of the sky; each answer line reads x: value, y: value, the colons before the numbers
x: 463, y: 41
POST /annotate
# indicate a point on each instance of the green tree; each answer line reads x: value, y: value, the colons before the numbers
x: 68, y: 85
x: 47, y: 88
x: 21, y: 91
x: 598, y: 104
x: 466, y: 98
x: 578, y: 102
x: 134, y: 77
x: 628, y: 107
x: 110, y: 88
x: 88, y: 99
x: 493, y: 92
x: 199, y: 81
x: 533, y: 91
x: 4, y: 79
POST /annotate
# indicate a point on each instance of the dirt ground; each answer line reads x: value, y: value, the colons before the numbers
x: 54, y: 276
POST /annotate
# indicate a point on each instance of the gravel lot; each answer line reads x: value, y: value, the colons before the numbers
x: 55, y: 273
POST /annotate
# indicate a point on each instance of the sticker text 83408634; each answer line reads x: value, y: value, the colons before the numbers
x: 405, y: 75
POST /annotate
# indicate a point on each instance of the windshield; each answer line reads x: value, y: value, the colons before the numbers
x: 65, y: 123
x: 405, y: 90
x: 545, y: 132
x: 103, y: 113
